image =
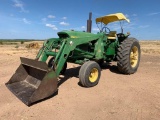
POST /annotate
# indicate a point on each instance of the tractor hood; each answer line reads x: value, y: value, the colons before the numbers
x: 75, y: 34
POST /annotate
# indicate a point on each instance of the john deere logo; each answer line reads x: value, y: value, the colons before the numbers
x: 74, y: 37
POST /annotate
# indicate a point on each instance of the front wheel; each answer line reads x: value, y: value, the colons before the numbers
x: 89, y: 74
x: 128, y: 56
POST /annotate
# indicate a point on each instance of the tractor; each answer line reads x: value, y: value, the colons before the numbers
x: 37, y: 79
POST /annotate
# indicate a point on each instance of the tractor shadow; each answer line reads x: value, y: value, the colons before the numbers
x: 112, y: 68
x: 74, y: 72
x: 71, y: 72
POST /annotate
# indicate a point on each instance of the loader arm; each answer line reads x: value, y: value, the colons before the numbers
x: 67, y: 46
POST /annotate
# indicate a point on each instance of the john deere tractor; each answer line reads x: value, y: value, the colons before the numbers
x: 36, y: 79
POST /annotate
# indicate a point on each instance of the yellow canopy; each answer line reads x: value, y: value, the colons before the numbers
x: 111, y: 18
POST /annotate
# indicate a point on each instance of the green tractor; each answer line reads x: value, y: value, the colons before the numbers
x: 36, y: 79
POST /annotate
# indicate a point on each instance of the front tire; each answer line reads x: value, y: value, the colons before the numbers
x: 89, y: 74
x: 128, y: 56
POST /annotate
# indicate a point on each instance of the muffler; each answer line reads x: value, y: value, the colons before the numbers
x: 32, y: 81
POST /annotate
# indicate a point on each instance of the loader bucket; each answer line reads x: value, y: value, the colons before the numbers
x: 32, y: 81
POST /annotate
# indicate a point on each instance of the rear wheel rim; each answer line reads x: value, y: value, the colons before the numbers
x: 134, y: 56
x: 93, y: 75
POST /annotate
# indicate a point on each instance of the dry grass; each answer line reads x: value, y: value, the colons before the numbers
x: 34, y: 45
x: 147, y: 47
x: 150, y: 47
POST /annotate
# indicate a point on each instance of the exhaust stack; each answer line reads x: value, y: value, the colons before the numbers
x: 89, y: 23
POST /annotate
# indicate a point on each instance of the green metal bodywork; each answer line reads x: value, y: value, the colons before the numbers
x: 78, y: 47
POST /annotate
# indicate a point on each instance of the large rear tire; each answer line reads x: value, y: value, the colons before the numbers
x: 89, y: 74
x: 128, y: 56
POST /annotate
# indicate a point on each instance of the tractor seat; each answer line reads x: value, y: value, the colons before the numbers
x: 112, y: 35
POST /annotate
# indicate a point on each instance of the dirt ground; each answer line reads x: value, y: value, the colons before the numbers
x: 116, y: 97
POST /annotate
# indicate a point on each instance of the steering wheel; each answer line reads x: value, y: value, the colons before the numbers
x: 105, y: 29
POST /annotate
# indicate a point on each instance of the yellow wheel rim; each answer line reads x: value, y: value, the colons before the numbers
x: 134, y: 56
x: 93, y: 75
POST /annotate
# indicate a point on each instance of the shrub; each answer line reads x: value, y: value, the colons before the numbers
x: 17, y: 46
x: 22, y: 42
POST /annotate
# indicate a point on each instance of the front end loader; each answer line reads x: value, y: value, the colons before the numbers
x: 36, y: 79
